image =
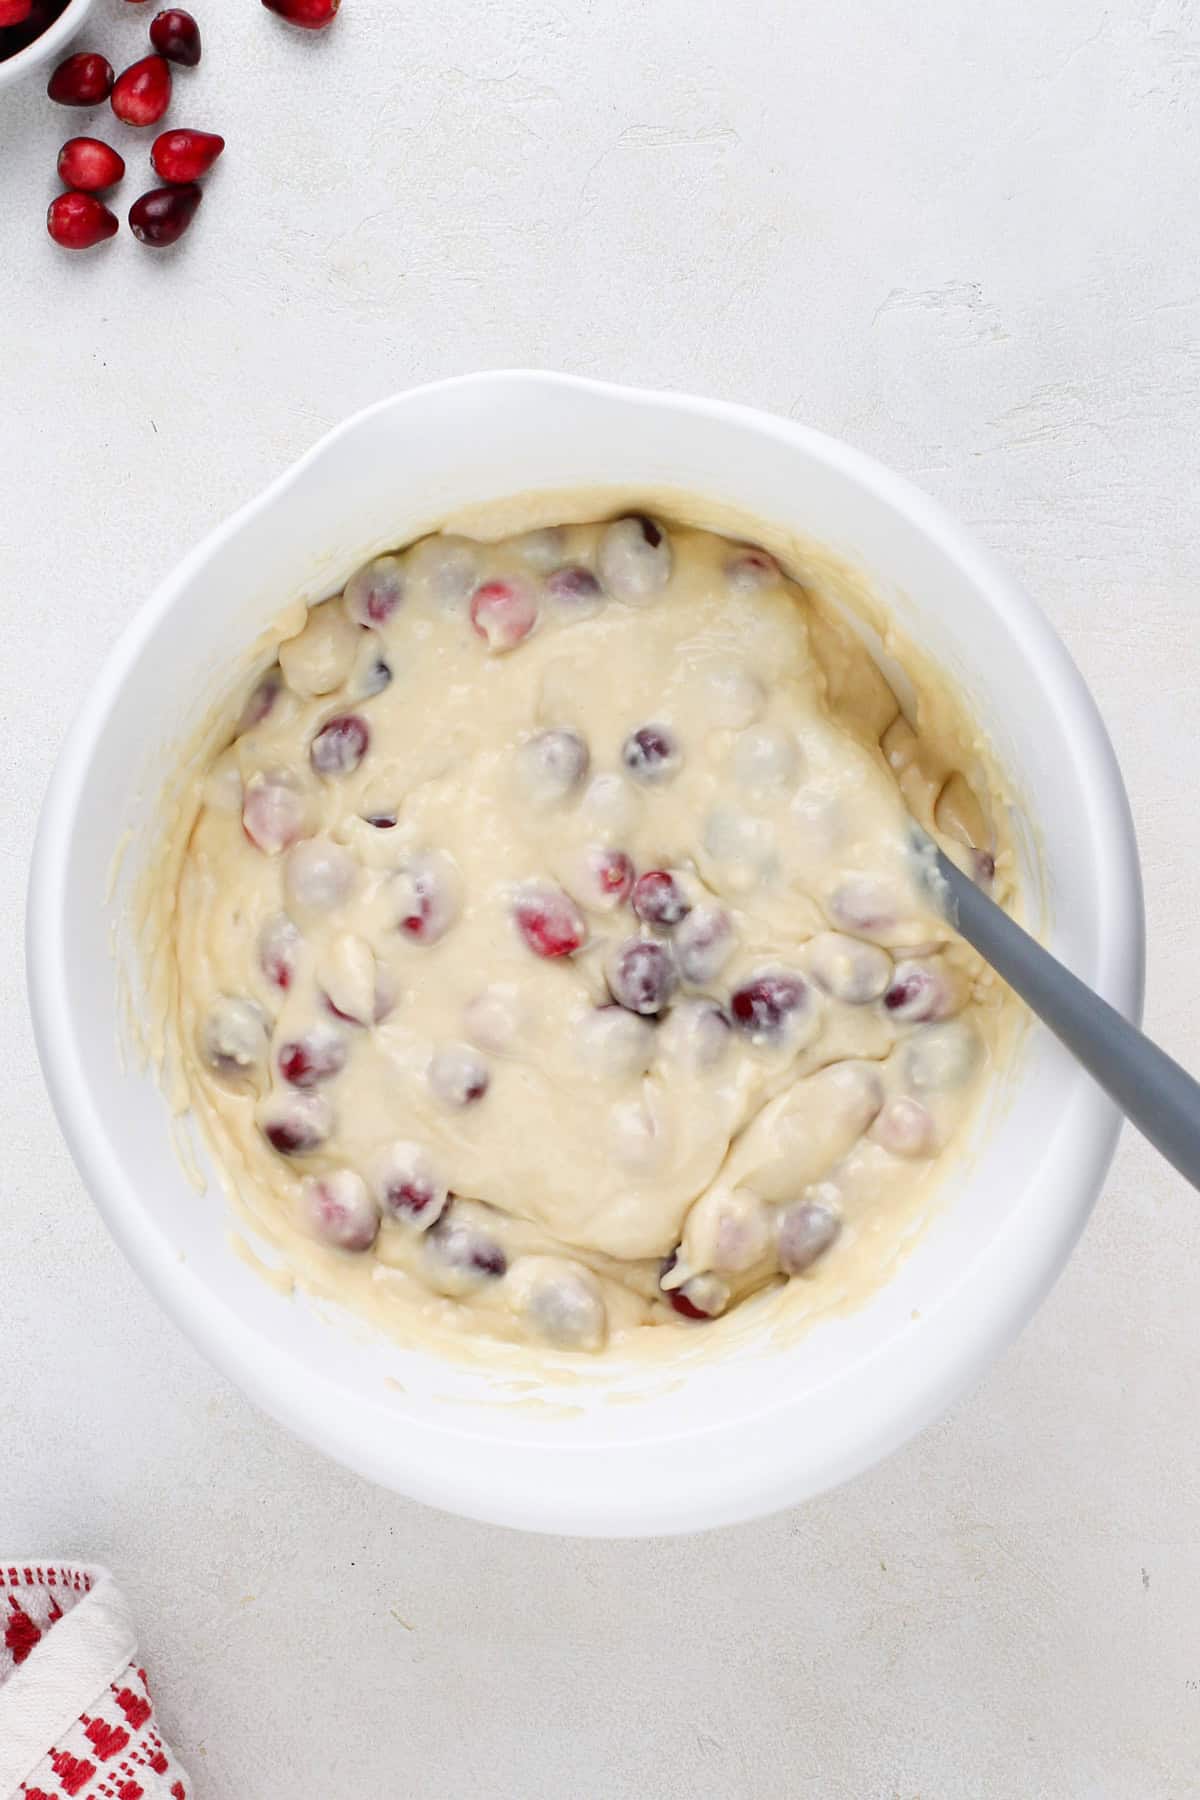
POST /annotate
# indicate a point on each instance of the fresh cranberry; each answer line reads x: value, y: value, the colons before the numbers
x: 274, y: 813
x: 310, y: 15
x: 611, y: 871
x: 382, y: 821
x: 762, y: 1008
x: 408, y: 1186
x: 82, y: 80
x: 279, y: 944
x: 467, y: 1253
x: 920, y: 991
x: 573, y: 585
x: 848, y: 969
x: 375, y: 591
x: 458, y: 1076
x: 306, y: 1062
x: 752, y: 570
x: 700, y: 1297
x: 984, y: 865
x: 865, y: 903
x: 658, y: 899
x: 297, y: 1124
x: 340, y: 745
x: 652, y: 753
x: 377, y: 677
x: 503, y: 612
x: 634, y: 559
x: 549, y: 921
x: 89, y: 166
x: 182, y: 156
x: 142, y: 93
x: 160, y: 218
x: 427, y: 895
x: 14, y: 12
x: 704, y: 943
x: 261, y: 700
x: 553, y: 764
x: 235, y: 1040
x: 340, y: 1210
x: 176, y: 35
x: 806, y: 1231
x: 79, y: 221
x: 641, y: 976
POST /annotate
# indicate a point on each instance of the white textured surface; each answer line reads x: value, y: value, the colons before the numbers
x: 967, y: 241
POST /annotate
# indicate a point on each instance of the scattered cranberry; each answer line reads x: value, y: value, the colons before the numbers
x: 634, y: 558
x: 78, y: 221
x: 905, y: 1127
x: 458, y: 1076
x: 382, y: 821
x: 916, y: 993
x: 463, y: 1256
x: 848, y: 969
x: 375, y: 591
x: 176, y: 35
x: 552, y: 765
x: 763, y: 1008
x: 142, y: 93
x: 340, y: 1210
x: 296, y: 1124
x: 274, y: 813
x: 161, y: 217
x: 377, y: 677
x: 658, y: 899
x: 310, y: 15
x: 573, y: 585
x: 408, y: 1187
x: 699, y: 1297
x: 183, y: 156
x: 704, y: 943
x: 549, y: 921
x: 641, y: 976
x: 865, y: 903
x: 611, y: 875
x: 261, y: 700
x: 563, y: 1302
x: 82, y: 80
x: 340, y: 746
x: 279, y: 944
x: 806, y: 1231
x: 503, y: 613
x: 234, y: 1041
x: 427, y: 891
x: 306, y: 1062
x: 985, y: 866
x: 752, y: 570
x: 14, y: 12
x: 89, y: 166
x: 652, y: 753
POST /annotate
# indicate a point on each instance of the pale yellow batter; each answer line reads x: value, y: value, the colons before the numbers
x: 550, y: 947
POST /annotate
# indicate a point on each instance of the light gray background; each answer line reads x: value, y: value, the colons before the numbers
x: 965, y: 239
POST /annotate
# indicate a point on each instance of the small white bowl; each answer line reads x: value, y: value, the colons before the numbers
x: 52, y: 44
x: 718, y: 1438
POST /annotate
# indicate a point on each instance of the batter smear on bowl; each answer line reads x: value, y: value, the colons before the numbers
x: 549, y: 948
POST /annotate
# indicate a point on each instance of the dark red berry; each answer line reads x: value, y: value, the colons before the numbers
x: 550, y: 922
x: 89, y: 166
x: 340, y: 746
x: 762, y: 1007
x: 176, y: 35
x: 298, y: 1123
x: 181, y: 156
x: 679, y: 1297
x: 161, y: 217
x: 310, y: 15
x: 305, y: 1062
x: 142, y: 93
x: 641, y: 976
x: 573, y: 584
x: 83, y: 80
x: 614, y: 874
x: 382, y: 821
x: 14, y: 12
x: 658, y: 899
x: 77, y: 221
x: 651, y: 753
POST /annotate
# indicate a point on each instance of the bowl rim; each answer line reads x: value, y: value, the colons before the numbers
x: 43, y: 47
x: 979, y: 1313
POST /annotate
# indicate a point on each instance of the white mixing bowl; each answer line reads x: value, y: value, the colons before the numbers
x: 765, y: 1423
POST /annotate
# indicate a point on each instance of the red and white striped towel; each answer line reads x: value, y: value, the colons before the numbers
x: 76, y: 1717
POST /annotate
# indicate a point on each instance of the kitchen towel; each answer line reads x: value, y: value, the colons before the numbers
x: 76, y: 1717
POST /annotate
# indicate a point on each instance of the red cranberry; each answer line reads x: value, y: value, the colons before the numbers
x: 310, y: 15
x: 920, y: 991
x: 382, y: 821
x: 699, y: 1297
x: 428, y: 895
x: 377, y: 677
x: 634, y: 558
x: 14, y: 12
x: 176, y: 35
x: 142, y: 93
x: 641, y: 976
x: 467, y: 1254
x: 573, y: 585
x: 375, y: 591
x: 408, y: 1186
x: 658, y: 899
x: 984, y: 865
x: 612, y: 872
x: 183, y: 156
x: 296, y: 1124
x: 82, y: 80
x: 274, y: 813
x: 306, y: 1062
x: 340, y: 746
x: 865, y: 903
x: 89, y: 166
x: 704, y: 943
x: 160, y: 218
x: 458, y: 1076
x: 752, y: 570
x: 503, y: 612
x: 261, y: 700
x: 340, y: 1210
x: 235, y: 1039
x: 549, y: 921
x: 279, y: 944
x: 553, y: 764
x: 806, y: 1231
x: 78, y: 221
x: 763, y: 1007
x: 652, y: 753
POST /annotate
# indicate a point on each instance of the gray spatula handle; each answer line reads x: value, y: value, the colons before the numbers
x: 1161, y: 1098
